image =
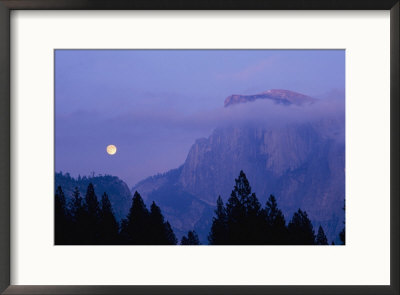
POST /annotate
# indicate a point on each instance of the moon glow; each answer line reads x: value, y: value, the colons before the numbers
x: 111, y: 149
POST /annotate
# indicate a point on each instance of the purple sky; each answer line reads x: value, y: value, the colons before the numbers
x: 153, y: 104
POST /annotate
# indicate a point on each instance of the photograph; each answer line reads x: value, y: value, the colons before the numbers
x: 198, y: 147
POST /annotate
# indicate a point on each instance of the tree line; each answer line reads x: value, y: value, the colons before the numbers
x: 241, y: 221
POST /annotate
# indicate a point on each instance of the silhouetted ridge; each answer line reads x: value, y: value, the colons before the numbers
x: 242, y: 221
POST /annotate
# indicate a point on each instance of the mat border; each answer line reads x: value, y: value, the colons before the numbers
x: 6, y: 6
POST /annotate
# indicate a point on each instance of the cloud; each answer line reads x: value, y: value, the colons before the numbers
x: 158, y: 119
x: 260, y: 113
x: 158, y: 139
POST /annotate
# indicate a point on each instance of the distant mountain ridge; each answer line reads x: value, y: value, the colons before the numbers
x: 117, y: 190
x: 302, y: 164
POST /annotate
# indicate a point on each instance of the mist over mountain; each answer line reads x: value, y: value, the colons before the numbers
x: 289, y: 144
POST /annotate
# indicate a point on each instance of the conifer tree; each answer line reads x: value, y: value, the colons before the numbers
x: 78, y: 235
x: 244, y: 218
x: 134, y: 230
x: 108, y: 223
x: 61, y: 219
x: 242, y: 191
x: 300, y: 228
x: 219, y: 228
x: 191, y: 239
x: 171, y: 238
x: 321, y: 237
x: 91, y: 201
x: 184, y: 241
x: 91, y: 222
x: 159, y: 232
x: 276, y: 233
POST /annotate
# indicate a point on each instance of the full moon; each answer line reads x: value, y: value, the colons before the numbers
x: 111, y: 149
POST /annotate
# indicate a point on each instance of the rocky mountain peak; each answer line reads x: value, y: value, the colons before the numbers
x: 280, y: 96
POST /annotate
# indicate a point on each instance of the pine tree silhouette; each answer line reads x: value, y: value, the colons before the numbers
x: 159, y: 232
x: 191, y: 239
x: 156, y: 226
x: 109, y: 227
x: 78, y: 236
x: 277, y: 233
x: 219, y: 228
x: 135, y: 229
x: 184, y: 241
x: 62, y: 220
x: 91, y: 224
x: 300, y: 228
x: 244, y: 218
x: 321, y: 237
x: 171, y: 238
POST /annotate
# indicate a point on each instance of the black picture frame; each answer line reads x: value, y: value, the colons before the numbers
x: 6, y: 6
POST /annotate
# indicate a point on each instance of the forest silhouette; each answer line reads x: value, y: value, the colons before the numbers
x: 241, y: 221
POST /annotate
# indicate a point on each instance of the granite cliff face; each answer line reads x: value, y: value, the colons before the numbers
x: 301, y: 163
x: 297, y: 164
